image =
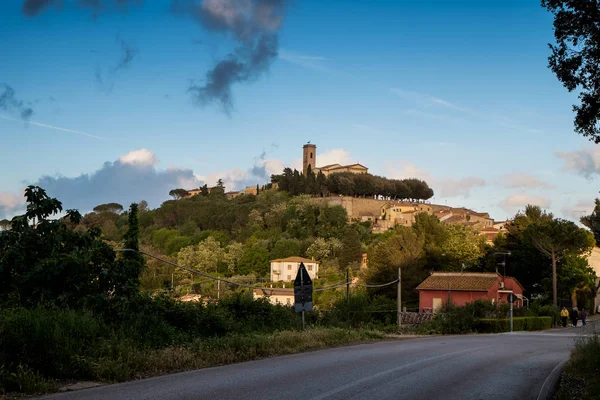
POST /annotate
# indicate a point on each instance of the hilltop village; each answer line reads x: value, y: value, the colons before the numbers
x: 381, y: 211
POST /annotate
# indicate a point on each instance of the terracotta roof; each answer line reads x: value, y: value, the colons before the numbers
x: 295, y: 259
x: 453, y: 219
x: 355, y: 165
x: 275, y: 292
x: 329, y: 166
x: 490, y: 236
x: 466, y: 281
x: 489, y: 229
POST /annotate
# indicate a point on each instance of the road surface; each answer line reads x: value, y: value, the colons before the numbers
x: 503, y: 366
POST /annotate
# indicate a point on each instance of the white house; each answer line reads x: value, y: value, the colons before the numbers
x: 276, y: 296
x: 285, y: 269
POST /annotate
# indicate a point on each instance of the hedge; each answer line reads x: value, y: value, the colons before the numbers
x: 486, y: 325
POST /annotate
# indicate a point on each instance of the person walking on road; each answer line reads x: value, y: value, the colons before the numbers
x: 583, y: 316
x: 574, y: 317
x: 564, y: 316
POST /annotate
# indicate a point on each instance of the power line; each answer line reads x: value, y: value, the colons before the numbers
x: 216, y: 278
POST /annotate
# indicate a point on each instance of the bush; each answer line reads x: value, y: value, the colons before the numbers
x: 519, y: 324
x: 579, y: 379
x: 451, y: 320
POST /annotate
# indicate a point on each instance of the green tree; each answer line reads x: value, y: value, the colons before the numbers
x: 556, y: 239
x: 178, y: 193
x: 592, y: 221
x: 51, y: 263
x: 402, y: 250
x: 114, y: 208
x: 322, y: 248
x: 255, y: 259
x: 576, y: 275
x: 462, y: 245
x: 204, y: 256
x: 576, y: 56
x: 286, y: 248
x: 133, y: 260
x: 351, y: 250
x: 233, y: 256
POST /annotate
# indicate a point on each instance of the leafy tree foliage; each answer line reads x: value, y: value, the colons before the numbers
x: 47, y: 261
x: 205, y: 256
x: 556, y: 239
x: 575, y: 58
x: 178, y: 193
x: 115, y: 208
x: 592, y: 221
x: 255, y: 258
x: 351, y: 251
x: 349, y: 184
x: 4, y: 225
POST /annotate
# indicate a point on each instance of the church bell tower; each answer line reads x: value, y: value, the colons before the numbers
x: 309, y: 157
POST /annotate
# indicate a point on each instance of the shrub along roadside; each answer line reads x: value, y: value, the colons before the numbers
x: 40, y: 346
x: 488, y: 325
x: 580, y: 378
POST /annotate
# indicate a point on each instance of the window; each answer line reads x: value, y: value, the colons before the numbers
x: 311, y: 156
x: 289, y: 278
x: 288, y: 301
x: 289, y: 267
x: 310, y: 267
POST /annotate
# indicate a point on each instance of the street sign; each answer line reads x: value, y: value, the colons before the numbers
x: 303, y: 290
x: 511, y: 298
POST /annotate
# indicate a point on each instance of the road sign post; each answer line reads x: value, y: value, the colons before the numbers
x: 302, y: 292
x: 511, y: 299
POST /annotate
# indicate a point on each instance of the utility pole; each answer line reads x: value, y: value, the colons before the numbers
x: 399, y: 301
x: 348, y: 295
x: 503, y: 263
x: 218, y: 289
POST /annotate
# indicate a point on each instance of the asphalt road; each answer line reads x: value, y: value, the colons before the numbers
x: 503, y: 366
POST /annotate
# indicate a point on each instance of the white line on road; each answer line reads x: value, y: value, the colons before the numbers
x: 389, y: 371
x: 546, y: 390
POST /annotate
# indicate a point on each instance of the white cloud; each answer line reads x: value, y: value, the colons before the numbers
x: 584, y: 162
x: 444, y: 187
x: 458, y: 187
x: 518, y: 201
x: 576, y: 210
x: 9, y: 204
x: 142, y: 157
x: 334, y: 156
x: 523, y: 181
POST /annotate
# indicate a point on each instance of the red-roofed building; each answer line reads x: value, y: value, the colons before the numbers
x: 466, y: 287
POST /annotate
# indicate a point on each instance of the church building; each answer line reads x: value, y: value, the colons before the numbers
x: 309, y: 157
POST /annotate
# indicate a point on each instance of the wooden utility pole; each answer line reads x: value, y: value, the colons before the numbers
x: 399, y: 305
x: 348, y: 295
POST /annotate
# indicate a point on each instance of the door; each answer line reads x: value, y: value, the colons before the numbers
x: 437, y: 304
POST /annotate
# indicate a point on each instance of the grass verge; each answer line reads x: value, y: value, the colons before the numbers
x: 580, y: 378
x: 121, y: 361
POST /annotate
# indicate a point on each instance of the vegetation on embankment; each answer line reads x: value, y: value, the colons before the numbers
x: 41, y: 347
x: 580, y: 378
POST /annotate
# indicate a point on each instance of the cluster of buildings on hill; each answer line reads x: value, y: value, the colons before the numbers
x: 385, y: 214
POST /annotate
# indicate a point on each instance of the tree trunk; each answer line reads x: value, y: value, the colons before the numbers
x: 554, y: 285
x: 574, y: 298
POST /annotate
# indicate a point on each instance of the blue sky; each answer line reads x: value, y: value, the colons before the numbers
x: 457, y: 93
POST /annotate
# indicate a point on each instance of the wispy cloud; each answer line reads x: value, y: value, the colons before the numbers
x: 304, y: 60
x: 523, y: 181
x: 425, y: 101
x: 519, y: 201
x: 56, y: 128
x: 585, y: 162
x: 444, y: 187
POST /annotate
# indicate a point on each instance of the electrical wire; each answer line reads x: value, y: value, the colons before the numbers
x: 216, y: 278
